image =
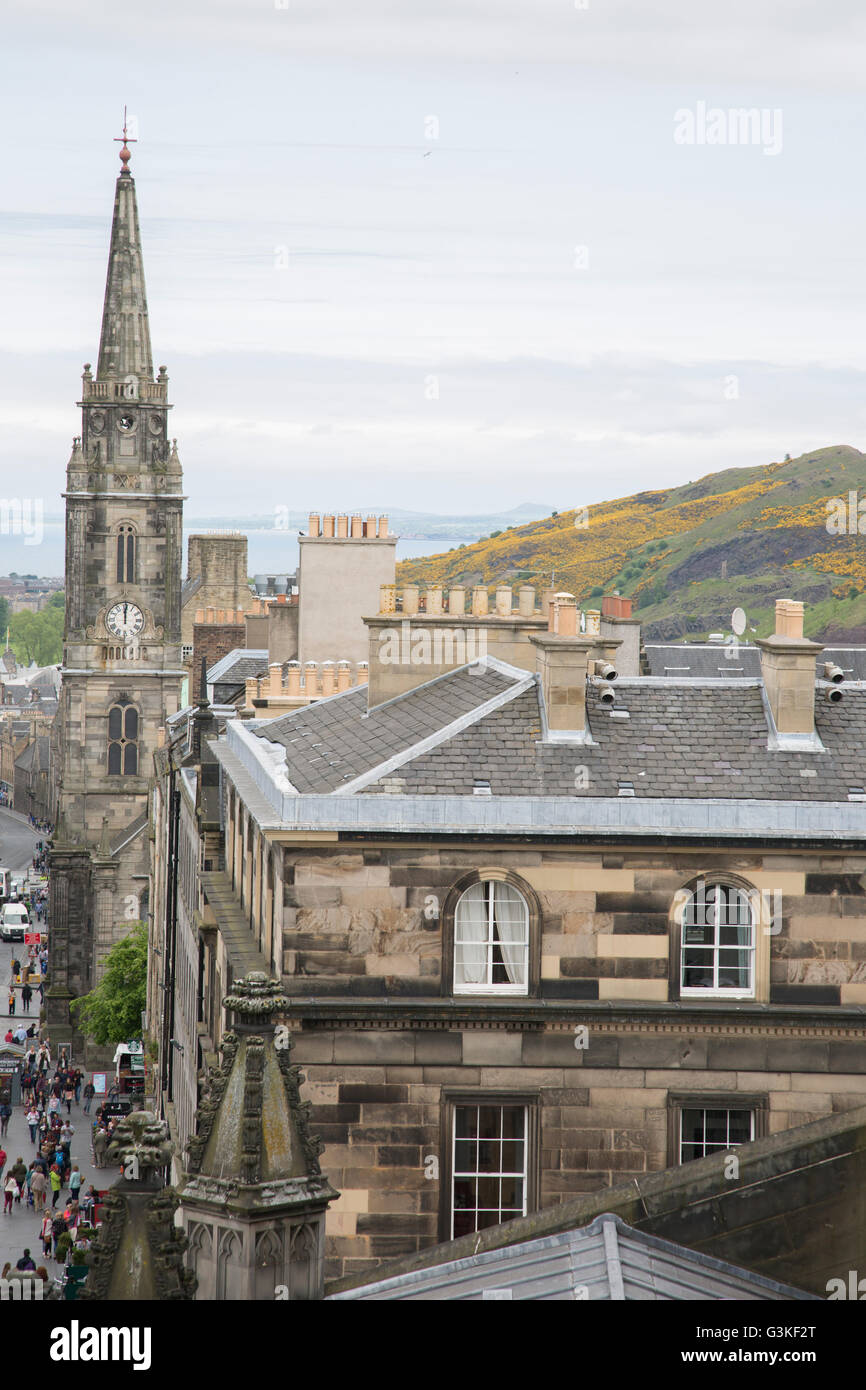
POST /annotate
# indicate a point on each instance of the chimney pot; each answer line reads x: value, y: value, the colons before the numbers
x: 370, y: 526
x: 311, y: 679
x: 434, y: 598
x: 565, y: 615
x: 342, y: 526
x: 457, y: 600
x: 410, y: 599
x: 526, y: 600
x: 613, y: 606
x: 387, y: 598
x: 357, y: 527
x: 383, y: 526
x: 313, y: 528
x: 327, y: 526
x: 480, y: 601
x: 504, y: 600
x: 789, y: 618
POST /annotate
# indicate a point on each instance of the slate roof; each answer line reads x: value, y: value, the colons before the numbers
x: 238, y: 665
x: 607, y: 1261
x: 715, y: 660
x: 334, y: 741
x: 681, y: 739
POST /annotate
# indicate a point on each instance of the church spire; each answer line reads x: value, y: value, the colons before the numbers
x: 124, y: 344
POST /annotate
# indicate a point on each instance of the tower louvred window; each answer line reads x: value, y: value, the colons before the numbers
x: 123, y: 724
x: 126, y: 555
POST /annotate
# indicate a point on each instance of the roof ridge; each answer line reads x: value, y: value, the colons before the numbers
x: 443, y: 735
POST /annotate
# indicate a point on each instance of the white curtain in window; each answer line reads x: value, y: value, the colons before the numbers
x: 509, y: 915
x: 470, y: 937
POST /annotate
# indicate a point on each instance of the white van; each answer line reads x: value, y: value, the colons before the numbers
x: 13, y: 922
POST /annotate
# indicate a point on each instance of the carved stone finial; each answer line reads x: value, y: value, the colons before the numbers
x: 142, y: 1140
x: 255, y: 999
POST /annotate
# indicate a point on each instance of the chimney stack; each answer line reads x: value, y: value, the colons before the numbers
x: 562, y: 662
x: 788, y: 669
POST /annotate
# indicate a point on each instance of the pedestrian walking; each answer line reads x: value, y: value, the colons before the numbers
x: 5, y: 1117
x: 58, y: 1227
x: 26, y: 997
x: 77, y: 1081
x: 55, y: 1183
x: 33, y: 1122
x: 75, y: 1181
x: 25, y: 1262
x: 37, y: 1187
x: 68, y: 1094
x: 89, y: 1093
x: 45, y: 1235
x: 10, y: 1192
x: 11, y: 1003
x: 19, y: 1173
x: 100, y: 1143
x: 2, y: 1161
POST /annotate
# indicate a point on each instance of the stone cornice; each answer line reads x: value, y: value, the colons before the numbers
x: 757, y: 1020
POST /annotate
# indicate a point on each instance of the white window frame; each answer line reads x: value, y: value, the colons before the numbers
x: 487, y: 986
x: 499, y: 1104
x: 717, y: 991
x: 716, y: 1148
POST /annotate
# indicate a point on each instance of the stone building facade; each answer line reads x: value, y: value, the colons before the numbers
x: 538, y: 940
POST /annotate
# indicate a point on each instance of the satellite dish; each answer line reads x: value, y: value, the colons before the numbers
x: 738, y: 622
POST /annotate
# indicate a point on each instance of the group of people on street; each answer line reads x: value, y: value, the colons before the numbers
x: 48, y: 1090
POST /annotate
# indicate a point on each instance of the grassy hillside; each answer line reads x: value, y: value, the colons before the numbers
x: 689, y: 555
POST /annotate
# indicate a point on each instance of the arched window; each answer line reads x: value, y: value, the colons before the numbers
x: 123, y: 739
x: 491, y: 940
x: 717, y: 954
x: 125, y: 555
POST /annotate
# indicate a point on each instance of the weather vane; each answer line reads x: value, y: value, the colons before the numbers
x: 125, y: 153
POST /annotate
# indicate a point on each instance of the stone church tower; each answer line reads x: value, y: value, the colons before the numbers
x: 122, y: 667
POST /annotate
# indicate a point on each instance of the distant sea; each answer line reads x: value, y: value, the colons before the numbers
x: 270, y: 551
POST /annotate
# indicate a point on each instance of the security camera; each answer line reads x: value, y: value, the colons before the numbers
x: 605, y: 670
x: 607, y: 696
x: 833, y: 673
x: 833, y: 694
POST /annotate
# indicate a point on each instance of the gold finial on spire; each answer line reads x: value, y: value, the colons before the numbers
x: 126, y: 152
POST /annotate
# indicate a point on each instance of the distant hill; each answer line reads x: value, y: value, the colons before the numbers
x: 689, y: 555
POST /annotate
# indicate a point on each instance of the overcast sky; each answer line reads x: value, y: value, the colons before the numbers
x: 436, y: 254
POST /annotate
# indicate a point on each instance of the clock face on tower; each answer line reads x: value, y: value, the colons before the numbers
x: 124, y: 620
